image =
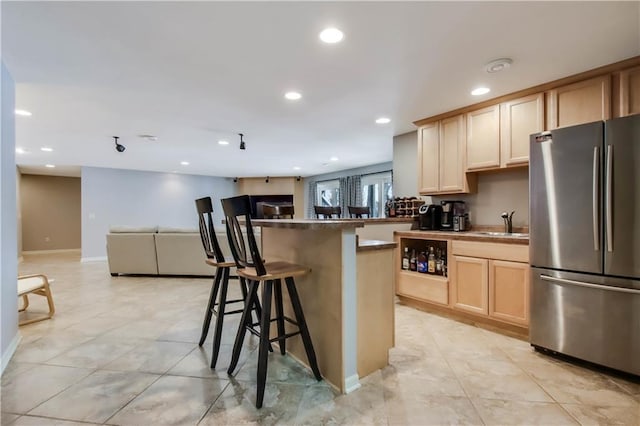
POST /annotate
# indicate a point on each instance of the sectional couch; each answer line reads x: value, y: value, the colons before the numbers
x: 161, y: 251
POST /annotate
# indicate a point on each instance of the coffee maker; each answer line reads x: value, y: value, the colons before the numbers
x: 453, y: 215
x: 430, y: 217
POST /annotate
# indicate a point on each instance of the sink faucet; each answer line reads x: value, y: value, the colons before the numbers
x: 508, y: 221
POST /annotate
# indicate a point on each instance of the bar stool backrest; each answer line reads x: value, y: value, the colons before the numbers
x: 207, y: 232
x: 357, y: 211
x: 277, y: 211
x: 236, y: 209
x: 327, y: 212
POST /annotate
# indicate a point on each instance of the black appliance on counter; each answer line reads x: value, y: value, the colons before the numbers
x: 430, y: 217
x: 453, y: 214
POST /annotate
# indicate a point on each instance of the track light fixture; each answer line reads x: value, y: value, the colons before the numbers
x: 235, y: 180
x: 267, y: 179
x: 119, y: 148
x: 298, y: 178
x: 242, y: 145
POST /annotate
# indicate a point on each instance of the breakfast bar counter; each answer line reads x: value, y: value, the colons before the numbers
x: 348, y: 297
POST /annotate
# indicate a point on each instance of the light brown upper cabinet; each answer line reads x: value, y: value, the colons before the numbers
x: 578, y: 103
x: 483, y: 138
x: 429, y: 158
x: 630, y: 91
x: 441, y: 156
x: 519, y: 118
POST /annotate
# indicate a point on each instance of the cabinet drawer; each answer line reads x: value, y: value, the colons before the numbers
x: 513, y: 252
x: 424, y: 287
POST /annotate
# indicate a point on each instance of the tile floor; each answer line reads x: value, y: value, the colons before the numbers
x: 123, y: 351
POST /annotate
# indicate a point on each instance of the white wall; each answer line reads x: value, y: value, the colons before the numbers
x: 137, y: 198
x: 8, y: 223
x: 405, y: 165
x: 497, y: 192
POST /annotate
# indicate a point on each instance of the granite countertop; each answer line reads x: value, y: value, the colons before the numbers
x: 366, y: 245
x: 496, y: 237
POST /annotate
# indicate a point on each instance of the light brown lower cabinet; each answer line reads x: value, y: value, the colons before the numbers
x: 509, y: 291
x: 495, y: 285
x: 470, y: 284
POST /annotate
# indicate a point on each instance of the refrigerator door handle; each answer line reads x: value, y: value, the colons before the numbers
x: 609, y: 199
x: 596, y: 184
x: 589, y: 285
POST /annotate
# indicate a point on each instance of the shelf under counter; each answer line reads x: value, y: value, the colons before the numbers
x: 434, y: 288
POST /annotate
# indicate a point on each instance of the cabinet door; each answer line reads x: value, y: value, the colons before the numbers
x: 470, y: 284
x: 630, y: 91
x: 509, y: 291
x: 452, y: 154
x: 580, y: 103
x: 519, y: 119
x: 428, y: 158
x: 483, y: 138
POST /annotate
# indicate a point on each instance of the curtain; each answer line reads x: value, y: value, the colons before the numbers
x: 313, y: 196
x: 350, y: 193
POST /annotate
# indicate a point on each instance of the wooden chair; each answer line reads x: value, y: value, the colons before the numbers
x: 327, y: 212
x: 358, y: 212
x: 35, y: 284
x: 215, y: 258
x: 270, y: 275
x: 277, y: 211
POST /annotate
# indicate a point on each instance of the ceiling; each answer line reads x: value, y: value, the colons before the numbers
x: 192, y: 73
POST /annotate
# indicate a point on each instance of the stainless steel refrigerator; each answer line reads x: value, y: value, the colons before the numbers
x: 584, y: 200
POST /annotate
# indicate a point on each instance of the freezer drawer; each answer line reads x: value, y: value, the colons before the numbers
x: 584, y: 317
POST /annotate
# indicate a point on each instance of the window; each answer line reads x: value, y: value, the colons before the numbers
x: 328, y: 193
x: 376, y: 190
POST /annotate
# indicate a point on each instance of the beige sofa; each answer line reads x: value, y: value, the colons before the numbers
x: 161, y: 251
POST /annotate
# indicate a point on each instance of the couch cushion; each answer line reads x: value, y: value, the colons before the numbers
x: 122, y: 229
x: 132, y: 253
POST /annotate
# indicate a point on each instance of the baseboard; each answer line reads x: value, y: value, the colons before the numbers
x: 93, y: 259
x: 351, y: 383
x: 51, y: 251
x: 6, y: 356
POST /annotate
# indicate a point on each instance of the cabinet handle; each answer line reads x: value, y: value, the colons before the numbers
x: 588, y: 285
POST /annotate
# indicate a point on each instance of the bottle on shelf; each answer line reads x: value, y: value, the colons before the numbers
x: 439, y: 262
x: 432, y: 261
x: 413, y: 266
x: 405, y: 259
x: 422, y: 262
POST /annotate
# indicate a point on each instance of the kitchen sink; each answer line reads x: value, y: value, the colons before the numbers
x: 504, y: 234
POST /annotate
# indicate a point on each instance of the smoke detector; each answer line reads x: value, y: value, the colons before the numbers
x: 498, y: 65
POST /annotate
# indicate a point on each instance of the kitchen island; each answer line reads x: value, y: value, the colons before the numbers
x: 347, y: 298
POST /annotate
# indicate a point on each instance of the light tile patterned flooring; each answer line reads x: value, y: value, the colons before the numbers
x: 123, y: 351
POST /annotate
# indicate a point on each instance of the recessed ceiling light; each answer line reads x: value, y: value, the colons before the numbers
x: 498, y: 65
x: 23, y: 113
x: 223, y: 142
x: 480, y: 91
x: 46, y: 149
x: 184, y: 163
x: 331, y: 35
x: 20, y: 151
x: 333, y: 158
x: 383, y: 120
x: 50, y: 166
x: 296, y: 168
x: 293, y: 96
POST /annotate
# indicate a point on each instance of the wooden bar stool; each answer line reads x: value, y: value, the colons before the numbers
x: 215, y: 258
x: 358, y: 211
x: 277, y: 211
x: 251, y: 267
x: 327, y: 212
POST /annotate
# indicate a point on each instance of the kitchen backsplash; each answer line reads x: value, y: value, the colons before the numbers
x: 504, y: 190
